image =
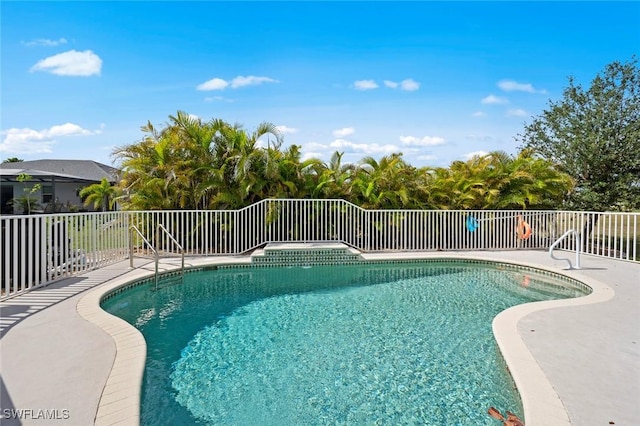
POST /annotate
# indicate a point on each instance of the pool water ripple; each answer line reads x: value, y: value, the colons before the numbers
x: 374, y: 344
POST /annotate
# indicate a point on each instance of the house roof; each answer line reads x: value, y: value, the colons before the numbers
x: 11, y: 175
x: 70, y: 169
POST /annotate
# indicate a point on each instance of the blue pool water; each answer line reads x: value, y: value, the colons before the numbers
x: 356, y: 344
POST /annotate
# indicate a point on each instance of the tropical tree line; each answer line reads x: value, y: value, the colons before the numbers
x: 582, y: 153
x: 196, y: 164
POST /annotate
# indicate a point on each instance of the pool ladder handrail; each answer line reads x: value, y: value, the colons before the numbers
x: 578, y: 244
x: 156, y: 255
x: 178, y: 245
x: 135, y: 229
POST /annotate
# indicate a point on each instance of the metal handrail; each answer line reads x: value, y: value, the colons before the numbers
x: 578, y: 243
x: 133, y: 228
x: 161, y: 227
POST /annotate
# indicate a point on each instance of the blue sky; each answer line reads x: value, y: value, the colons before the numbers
x: 435, y: 81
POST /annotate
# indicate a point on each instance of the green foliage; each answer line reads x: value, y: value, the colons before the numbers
x: 27, y: 202
x: 101, y: 195
x: 594, y: 136
x: 498, y: 181
x: 191, y: 164
x: 13, y: 160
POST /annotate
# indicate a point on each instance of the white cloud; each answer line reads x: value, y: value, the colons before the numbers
x: 309, y: 155
x: 25, y: 141
x: 251, y: 80
x: 372, y: 148
x: 494, y: 100
x: 45, y: 42
x: 345, y: 131
x: 314, y: 146
x: 67, y: 129
x: 340, y: 143
x: 479, y: 114
x: 29, y: 141
x: 470, y: 155
x: 218, y: 99
x: 409, y: 85
x: 213, y: 84
x: 514, y: 86
x: 239, y: 81
x: 424, y: 141
x: 286, y: 130
x: 365, y: 84
x: 517, y: 113
x: 71, y: 63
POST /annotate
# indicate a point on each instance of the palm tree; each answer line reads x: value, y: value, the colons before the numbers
x: 102, y: 195
x: 533, y: 183
x: 288, y: 176
x: 147, y: 172
x: 241, y: 166
x: 497, y: 181
x: 166, y: 168
x: 193, y: 144
x: 384, y: 183
x: 192, y: 164
x: 333, y: 180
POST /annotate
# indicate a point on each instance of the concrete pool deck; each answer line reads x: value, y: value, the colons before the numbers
x: 57, y: 364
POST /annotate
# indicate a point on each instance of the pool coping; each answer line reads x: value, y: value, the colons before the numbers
x: 120, y: 400
x: 541, y: 403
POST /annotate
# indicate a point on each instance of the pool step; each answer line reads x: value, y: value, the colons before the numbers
x: 304, y: 254
x: 169, y: 279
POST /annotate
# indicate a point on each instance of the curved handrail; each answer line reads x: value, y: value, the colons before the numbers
x: 578, y: 243
x: 133, y: 228
x: 161, y: 227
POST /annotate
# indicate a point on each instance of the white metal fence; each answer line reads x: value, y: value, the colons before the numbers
x: 37, y: 250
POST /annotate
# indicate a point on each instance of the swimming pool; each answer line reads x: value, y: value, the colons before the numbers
x: 356, y: 344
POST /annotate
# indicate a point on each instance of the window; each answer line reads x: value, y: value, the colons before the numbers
x: 47, y: 193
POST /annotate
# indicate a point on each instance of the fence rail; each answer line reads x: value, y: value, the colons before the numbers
x: 40, y: 249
